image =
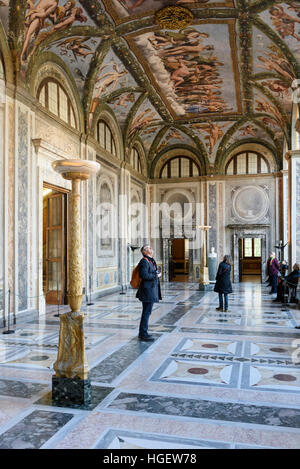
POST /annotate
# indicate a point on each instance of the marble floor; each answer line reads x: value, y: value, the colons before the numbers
x: 209, y: 380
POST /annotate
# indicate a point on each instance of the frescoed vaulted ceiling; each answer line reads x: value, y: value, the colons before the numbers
x: 226, y: 77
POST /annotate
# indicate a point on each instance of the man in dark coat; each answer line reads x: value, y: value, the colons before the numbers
x: 149, y: 289
x: 223, y: 282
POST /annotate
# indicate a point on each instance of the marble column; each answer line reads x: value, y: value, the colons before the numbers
x: 71, y: 383
x: 293, y: 158
x: 204, y: 277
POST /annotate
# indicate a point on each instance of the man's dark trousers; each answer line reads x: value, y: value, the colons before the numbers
x: 147, y: 309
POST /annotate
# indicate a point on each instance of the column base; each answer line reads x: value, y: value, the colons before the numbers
x: 205, y: 287
x: 66, y: 391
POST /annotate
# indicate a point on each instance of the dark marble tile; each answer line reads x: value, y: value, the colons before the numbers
x: 173, y: 316
x: 111, y: 367
x: 98, y: 393
x: 34, y: 430
x: 23, y: 389
x: 211, y: 410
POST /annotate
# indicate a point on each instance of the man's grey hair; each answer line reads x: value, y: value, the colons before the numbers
x: 144, y: 247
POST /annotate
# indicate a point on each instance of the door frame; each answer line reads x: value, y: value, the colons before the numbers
x: 65, y: 192
x: 247, y: 231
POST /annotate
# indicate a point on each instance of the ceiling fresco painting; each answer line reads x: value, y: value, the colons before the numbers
x: 145, y: 119
x: 45, y: 19
x: 77, y: 52
x: 285, y: 20
x: 194, y: 68
x: 228, y: 76
x: 122, y: 104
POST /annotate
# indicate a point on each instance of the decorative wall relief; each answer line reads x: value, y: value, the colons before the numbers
x: 23, y: 207
x: 250, y: 204
x: 106, y: 216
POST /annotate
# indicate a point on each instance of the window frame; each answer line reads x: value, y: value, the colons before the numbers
x: 112, y: 143
x: 234, y: 158
x: 179, y: 157
x: 252, y: 249
x: 44, y: 85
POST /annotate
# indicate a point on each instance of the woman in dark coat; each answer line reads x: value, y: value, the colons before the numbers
x: 223, y: 282
x: 149, y: 289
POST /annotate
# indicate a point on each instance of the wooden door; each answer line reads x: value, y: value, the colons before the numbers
x: 55, y: 254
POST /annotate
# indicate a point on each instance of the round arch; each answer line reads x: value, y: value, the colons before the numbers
x: 171, y: 152
x: 261, y: 148
x: 50, y: 66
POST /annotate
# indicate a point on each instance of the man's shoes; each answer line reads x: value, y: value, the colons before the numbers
x: 226, y: 310
x: 147, y: 338
x: 219, y: 309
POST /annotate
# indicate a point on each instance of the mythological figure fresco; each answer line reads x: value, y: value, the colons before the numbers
x: 214, y: 132
x: 44, y: 18
x: 284, y: 23
x: 187, y: 67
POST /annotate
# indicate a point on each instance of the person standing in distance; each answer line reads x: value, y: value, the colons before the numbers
x: 223, y: 283
x: 149, y: 290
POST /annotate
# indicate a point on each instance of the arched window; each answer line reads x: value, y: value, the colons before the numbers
x: 179, y: 166
x: 135, y: 160
x: 105, y: 137
x: 53, y: 97
x: 247, y: 162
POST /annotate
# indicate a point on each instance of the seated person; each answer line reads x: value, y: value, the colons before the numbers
x: 291, y: 280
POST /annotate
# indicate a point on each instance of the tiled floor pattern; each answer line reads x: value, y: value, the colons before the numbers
x: 209, y: 380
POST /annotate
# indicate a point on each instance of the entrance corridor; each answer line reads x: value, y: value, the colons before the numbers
x: 209, y: 380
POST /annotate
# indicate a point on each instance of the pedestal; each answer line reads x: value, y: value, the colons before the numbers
x: 212, y: 267
x: 204, y: 279
x: 74, y: 391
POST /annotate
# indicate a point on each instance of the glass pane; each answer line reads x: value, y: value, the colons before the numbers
x: 164, y: 173
x: 241, y: 164
x: 52, y: 95
x: 63, y: 105
x: 108, y: 139
x: 195, y: 170
x: 42, y: 97
x: 185, y: 167
x: 114, y: 152
x: 54, y: 243
x: 54, y: 276
x: 175, y: 168
x: 257, y: 247
x: 230, y: 168
x: 55, y: 211
x: 102, y: 134
x: 248, y: 247
x: 263, y: 166
x: 73, y: 122
x: 252, y: 163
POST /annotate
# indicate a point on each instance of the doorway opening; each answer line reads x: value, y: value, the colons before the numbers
x: 54, y: 244
x: 250, y: 259
x: 179, y: 260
